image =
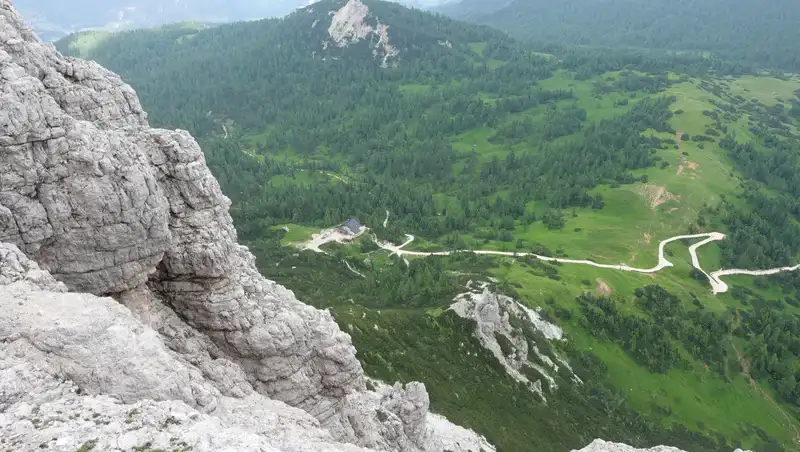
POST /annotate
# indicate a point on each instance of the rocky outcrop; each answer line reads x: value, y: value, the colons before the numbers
x: 349, y: 25
x: 604, y: 446
x: 166, y: 311
x: 517, y: 336
x: 79, y: 370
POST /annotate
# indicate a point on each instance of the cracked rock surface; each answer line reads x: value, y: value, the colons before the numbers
x: 123, y: 290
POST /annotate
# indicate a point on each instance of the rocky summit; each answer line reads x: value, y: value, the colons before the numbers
x: 130, y: 318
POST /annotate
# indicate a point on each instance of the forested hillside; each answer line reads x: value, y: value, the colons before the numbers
x: 764, y: 33
x: 416, y: 124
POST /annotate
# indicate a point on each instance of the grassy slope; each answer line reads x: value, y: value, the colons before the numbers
x: 296, y: 233
x: 696, y: 396
x: 83, y: 44
x: 628, y: 230
x: 768, y: 90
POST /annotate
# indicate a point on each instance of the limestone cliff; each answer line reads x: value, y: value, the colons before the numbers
x: 158, y: 311
x: 349, y: 25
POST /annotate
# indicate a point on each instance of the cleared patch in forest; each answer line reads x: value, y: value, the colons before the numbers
x: 767, y: 90
x: 603, y: 288
x: 295, y: 233
x: 656, y: 195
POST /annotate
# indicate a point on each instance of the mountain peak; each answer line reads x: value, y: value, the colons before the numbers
x: 350, y: 24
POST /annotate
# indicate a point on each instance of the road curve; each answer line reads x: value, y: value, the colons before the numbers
x: 717, y: 285
x: 722, y: 287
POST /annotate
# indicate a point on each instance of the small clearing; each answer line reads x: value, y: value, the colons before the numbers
x: 603, y: 288
x: 336, y: 176
x: 350, y: 267
x: 656, y: 195
x: 333, y: 235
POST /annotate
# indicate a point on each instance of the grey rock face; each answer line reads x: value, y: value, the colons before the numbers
x: 76, y: 195
x: 111, y: 207
x: 135, y: 363
x: 105, y: 201
x: 15, y: 266
x: 78, y: 370
x: 290, y: 351
x: 496, y: 315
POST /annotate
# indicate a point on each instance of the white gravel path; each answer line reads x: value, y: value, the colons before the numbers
x: 717, y: 285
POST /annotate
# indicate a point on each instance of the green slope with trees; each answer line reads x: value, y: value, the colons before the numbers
x: 474, y: 140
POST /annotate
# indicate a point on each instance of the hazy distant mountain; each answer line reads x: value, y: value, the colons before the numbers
x: 470, y: 10
x: 765, y: 33
x: 53, y: 19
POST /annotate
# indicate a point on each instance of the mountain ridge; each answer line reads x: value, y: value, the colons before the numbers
x: 53, y: 19
x: 56, y: 19
x: 737, y: 30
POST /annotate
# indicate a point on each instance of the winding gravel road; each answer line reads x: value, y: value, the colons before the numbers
x: 717, y: 285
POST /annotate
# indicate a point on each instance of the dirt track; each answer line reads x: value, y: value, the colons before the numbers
x: 717, y: 285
